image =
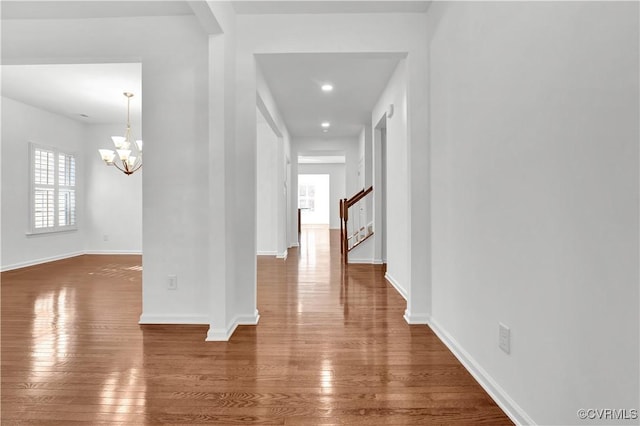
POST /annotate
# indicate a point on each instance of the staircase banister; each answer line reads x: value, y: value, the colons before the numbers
x: 359, y: 196
x: 356, y: 194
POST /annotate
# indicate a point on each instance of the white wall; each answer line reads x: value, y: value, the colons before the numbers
x: 174, y: 56
x: 365, y: 253
x: 286, y: 215
x: 365, y: 142
x: 347, y: 146
x: 22, y: 124
x: 108, y: 202
x: 267, y: 189
x: 398, y: 202
x: 361, y: 157
x: 113, y: 200
x: 337, y: 185
x: 535, y: 199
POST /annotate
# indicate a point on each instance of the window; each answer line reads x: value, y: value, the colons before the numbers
x: 53, y: 193
x: 306, y: 197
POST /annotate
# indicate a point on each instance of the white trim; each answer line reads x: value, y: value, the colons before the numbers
x: 266, y: 253
x: 221, y: 334
x: 395, y: 285
x: 47, y: 231
x: 40, y: 261
x: 251, y: 319
x: 205, y: 17
x: 378, y: 262
x: 495, y: 391
x: 283, y: 255
x: 173, y: 319
x: 109, y: 252
x: 361, y: 261
x: 224, y: 334
x: 294, y: 245
x: 416, y: 319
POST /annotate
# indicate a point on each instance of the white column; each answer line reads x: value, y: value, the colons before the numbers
x: 419, y: 291
x: 245, y: 200
x: 221, y: 180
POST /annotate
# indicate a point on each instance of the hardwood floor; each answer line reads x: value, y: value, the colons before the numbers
x: 331, y: 348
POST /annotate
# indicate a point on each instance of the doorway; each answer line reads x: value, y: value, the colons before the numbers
x: 380, y: 196
x: 313, y: 199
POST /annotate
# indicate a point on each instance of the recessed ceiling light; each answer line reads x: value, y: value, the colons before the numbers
x: 325, y: 124
x: 327, y: 87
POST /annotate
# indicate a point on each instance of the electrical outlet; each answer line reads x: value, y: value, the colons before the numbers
x: 504, y: 338
x: 172, y: 282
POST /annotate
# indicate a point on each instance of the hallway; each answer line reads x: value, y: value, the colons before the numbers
x: 355, y: 359
x: 331, y: 348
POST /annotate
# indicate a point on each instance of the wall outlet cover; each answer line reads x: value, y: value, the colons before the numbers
x: 172, y: 282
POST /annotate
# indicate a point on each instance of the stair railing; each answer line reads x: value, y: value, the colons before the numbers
x: 355, y: 222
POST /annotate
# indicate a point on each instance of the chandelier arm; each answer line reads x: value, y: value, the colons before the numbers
x: 137, y: 168
x: 119, y: 168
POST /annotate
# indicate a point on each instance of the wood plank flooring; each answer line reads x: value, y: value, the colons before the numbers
x: 331, y: 348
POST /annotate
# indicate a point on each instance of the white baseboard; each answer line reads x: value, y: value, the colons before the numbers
x: 224, y: 334
x: 416, y: 319
x: 409, y: 317
x: 378, y: 262
x: 395, y: 285
x: 221, y: 334
x: 361, y: 261
x: 504, y: 401
x: 251, y: 319
x: 294, y: 245
x: 123, y: 252
x: 282, y: 255
x: 40, y: 261
x: 174, y: 319
x: 34, y: 262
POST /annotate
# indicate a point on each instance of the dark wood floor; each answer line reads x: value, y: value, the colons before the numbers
x: 331, y: 348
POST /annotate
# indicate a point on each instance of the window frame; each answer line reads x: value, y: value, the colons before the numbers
x: 304, y: 201
x: 57, y: 188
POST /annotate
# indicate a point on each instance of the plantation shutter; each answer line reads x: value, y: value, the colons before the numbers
x: 53, y: 183
x: 44, y: 188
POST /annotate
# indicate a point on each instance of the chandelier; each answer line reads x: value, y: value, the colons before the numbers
x: 128, y: 155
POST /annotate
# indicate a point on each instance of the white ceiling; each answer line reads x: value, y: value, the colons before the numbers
x: 96, y: 89
x: 329, y: 6
x: 358, y: 80
x: 91, y: 9
x: 321, y: 159
x: 76, y: 9
x: 73, y: 89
